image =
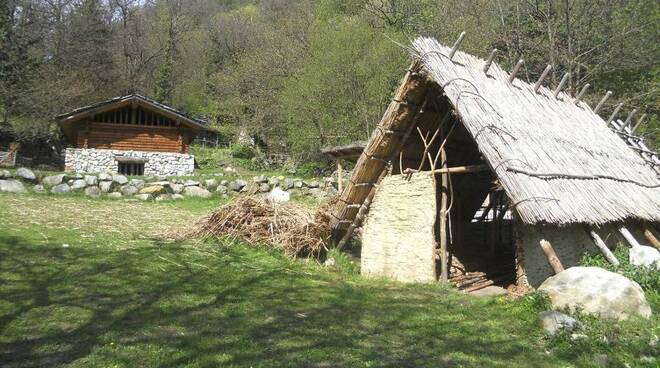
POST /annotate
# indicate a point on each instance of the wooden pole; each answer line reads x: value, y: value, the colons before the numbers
x: 515, y: 70
x: 628, y: 120
x: 600, y: 244
x: 563, y: 81
x: 489, y: 62
x: 457, y: 44
x: 651, y: 237
x: 340, y: 176
x: 616, y: 111
x: 552, y: 256
x: 454, y: 170
x: 629, y: 237
x: 639, y: 122
x: 602, y: 101
x: 582, y: 92
x: 539, y: 82
x: 444, y: 201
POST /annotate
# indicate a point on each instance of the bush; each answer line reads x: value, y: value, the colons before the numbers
x: 242, y: 151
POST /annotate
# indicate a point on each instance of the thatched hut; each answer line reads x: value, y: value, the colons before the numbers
x: 478, y: 177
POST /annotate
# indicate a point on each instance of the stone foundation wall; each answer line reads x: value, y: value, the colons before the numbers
x: 101, y: 160
x: 570, y: 244
x: 398, y: 239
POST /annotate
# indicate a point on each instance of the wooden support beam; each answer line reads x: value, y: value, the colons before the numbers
x: 444, y: 203
x: 614, y: 113
x: 628, y: 120
x: 629, y: 237
x: 515, y: 70
x: 600, y: 244
x: 602, y: 102
x: 549, y: 251
x: 454, y: 170
x: 563, y: 81
x: 340, y: 176
x: 639, y: 122
x: 489, y: 62
x: 457, y: 44
x: 582, y: 92
x: 651, y: 237
x: 539, y: 82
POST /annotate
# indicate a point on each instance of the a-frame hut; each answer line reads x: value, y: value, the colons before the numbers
x: 478, y: 177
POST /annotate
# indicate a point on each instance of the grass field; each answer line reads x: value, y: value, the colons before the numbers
x: 89, y: 283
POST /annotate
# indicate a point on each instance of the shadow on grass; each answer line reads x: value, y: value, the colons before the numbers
x: 166, y: 305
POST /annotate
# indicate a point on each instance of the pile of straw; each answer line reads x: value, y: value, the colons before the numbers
x: 292, y: 228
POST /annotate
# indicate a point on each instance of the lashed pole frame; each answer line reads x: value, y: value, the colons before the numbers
x: 385, y: 144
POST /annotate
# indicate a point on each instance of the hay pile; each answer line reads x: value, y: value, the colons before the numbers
x: 292, y: 228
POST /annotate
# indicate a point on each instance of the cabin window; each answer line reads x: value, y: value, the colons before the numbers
x: 131, y: 168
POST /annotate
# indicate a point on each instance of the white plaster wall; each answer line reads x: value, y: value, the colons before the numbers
x: 102, y: 160
x: 398, y: 240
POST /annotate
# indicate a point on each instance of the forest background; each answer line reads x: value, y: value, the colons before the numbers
x: 301, y: 75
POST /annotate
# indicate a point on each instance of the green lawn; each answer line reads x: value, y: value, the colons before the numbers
x: 89, y: 283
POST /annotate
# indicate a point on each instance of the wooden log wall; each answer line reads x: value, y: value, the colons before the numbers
x: 132, y: 137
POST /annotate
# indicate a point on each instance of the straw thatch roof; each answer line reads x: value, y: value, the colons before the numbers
x: 556, y: 159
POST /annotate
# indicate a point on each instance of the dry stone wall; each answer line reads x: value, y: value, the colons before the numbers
x: 84, y: 160
x: 398, y: 240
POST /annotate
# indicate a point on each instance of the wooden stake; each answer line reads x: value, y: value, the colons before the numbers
x: 444, y: 200
x: 628, y: 120
x: 614, y: 113
x: 639, y: 122
x: 515, y: 70
x: 457, y: 44
x: 552, y: 256
x: 562, y: 82
x: 491, y: 57
x: 651, y: 237
x: 582, y: 92
x: 602, y: 101
x: 600, y: 244
x: 629, y: 237
x: 539, y: 82
x: 340, y: 176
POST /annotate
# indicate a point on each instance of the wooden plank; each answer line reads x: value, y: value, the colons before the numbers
x: 444, y: 202
x: 340, y: 176
x: 549, y: 251
x: 651, y: 237
x: 629, y: 237
x: 600, y: 244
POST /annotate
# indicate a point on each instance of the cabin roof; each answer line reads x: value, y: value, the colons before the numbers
x: 349, y: 151
x: 104, y: 105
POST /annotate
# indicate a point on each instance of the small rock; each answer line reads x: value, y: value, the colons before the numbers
x: 297, y: 183
x: 5, y: 174
x: 278, y: 195
x: 264, y: 187
x: 26, y: 174
x: 78, y: 184
x: 221, y: 189
x: 288, y: 183
x: 237, y: 185
x: 39, y: 189
x: 330, y: 262
x: 143, y: 197
x: 274, y: 181
x: 554, y: 322
x: 644, y: 256
x: 229, y: 170
x: 251, y: 188
x: 260, y: 179
x: 91, y: 180
x: 12, y: 186
x: 138, y: 183
x: 104, y: 176
x: 211, y: 184
x: 93, y: 192
x: 53, y: 180
x: 114, y: 195
x: 191, y: 183
x: 61, y: 189
x: 578, y: 336
x: 224, y: 182
x: 199, y: 192
x: 311, y: 184
x: 153, y: 189
x: 105, y: 186
x: 120, y: 179
x: 128, y: 190
x: 163, y: 197
x: 176, y: 188
x: 177, y: 196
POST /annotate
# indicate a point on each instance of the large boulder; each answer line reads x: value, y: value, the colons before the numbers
x: 199, y: 192
x: 91, y: 180
x: 211, y: 184
x: 78, y: 184
x: 128, y: 190
x: 105, y: 176
x: 93, y: 192
x: 26, y: 174
x: 53, y: 180
x: 11, y: 186
x: 237, y: 185
x: 596, y: 291
x: 105, y: 186
x: 644, y: 256
x: 63, y: 188
x: 119, y: 179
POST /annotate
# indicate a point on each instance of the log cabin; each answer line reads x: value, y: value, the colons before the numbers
x: 132, y: 135
x: 476, y: 177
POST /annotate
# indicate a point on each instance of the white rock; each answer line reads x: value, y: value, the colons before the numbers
x: 91, y: 180
x: 104, y: 176
x: 177, y: 196
x: 114, y: 195
x: 53, y: 180
x: 554, y: 322
x: 644, y: 256
x: 5, y: 174
x: 78, y: 184
x: 596, y: 291
x: 128, y: 190
x: 39, y: 189
x: 196, y: 192
x: 143, y: 197
x: 105, y: 186
x: 26, y: 174
x: 176, y: 188
x: 278, y: 195
x: 61, y: 189
x: 12, y: 186
x: 93, y: 192
x: 119, y: 179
